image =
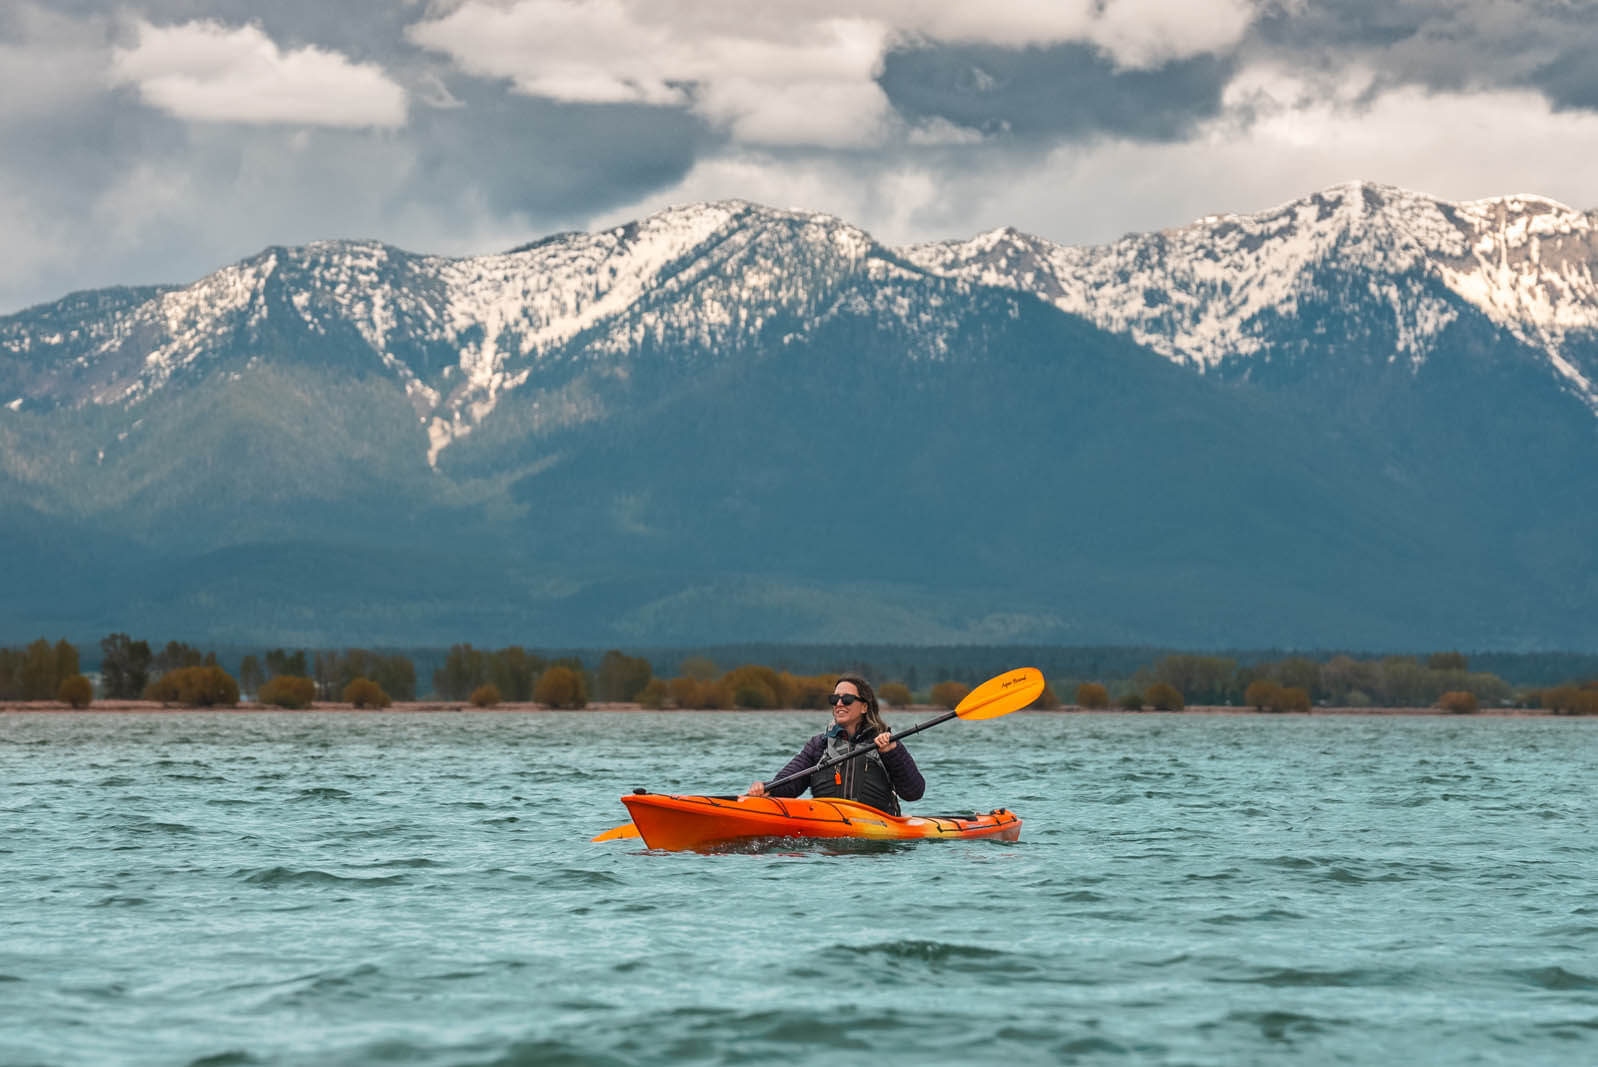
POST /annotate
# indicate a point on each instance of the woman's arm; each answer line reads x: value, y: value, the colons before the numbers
x: 903, y: 773
x: 808, y: 756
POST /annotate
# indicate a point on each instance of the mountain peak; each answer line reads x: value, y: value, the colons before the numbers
x: 1215, y: 291
x: 1218, y: 289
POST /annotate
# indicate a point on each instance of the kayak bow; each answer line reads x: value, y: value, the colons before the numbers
x: 677, y: 823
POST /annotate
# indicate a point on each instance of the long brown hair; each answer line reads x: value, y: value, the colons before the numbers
x: 873, y: 712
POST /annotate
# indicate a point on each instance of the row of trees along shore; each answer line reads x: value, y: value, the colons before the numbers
x: 179, y: 673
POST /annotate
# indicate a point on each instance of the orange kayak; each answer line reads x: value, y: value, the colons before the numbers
x: 692, y: 822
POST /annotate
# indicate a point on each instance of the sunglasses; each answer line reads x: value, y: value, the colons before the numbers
x: 848, y: 700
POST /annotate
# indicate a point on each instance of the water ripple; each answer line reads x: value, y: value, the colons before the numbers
x: 286, y: 876
x: 315, y: 888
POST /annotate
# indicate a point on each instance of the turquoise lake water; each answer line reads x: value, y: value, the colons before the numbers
x: 226, y: 888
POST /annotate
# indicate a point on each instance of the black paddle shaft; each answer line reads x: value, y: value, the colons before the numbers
x: 858, y: 751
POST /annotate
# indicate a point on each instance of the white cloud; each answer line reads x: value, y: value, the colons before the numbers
x: 819, y: 89
x: 209, y: 72
x: 940, y: 131
x: 802, y: 73
x: 1134, y: 33
x: 88, y: 197
x: 1459, y: 146
x: 812, y: 82
x: 888, y: 200
x: 595, y: 53
x: 1147, y: 33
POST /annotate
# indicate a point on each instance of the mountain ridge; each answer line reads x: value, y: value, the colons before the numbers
x: 547, y: 292
x: 627, y: 435
x: 1407, y: 233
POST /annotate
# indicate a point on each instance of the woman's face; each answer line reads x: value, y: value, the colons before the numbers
x: 847, y: 715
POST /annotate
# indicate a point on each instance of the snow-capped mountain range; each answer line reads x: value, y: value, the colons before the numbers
x: 704, y: 275
x: 1209, y: 295
x: 1217, y: 291
x: 641, y: 424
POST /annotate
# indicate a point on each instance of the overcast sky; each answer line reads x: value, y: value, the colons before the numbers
x: 148, y: 141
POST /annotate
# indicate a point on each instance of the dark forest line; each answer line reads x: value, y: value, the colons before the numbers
x: 921, y: 665
x: 763, y: 676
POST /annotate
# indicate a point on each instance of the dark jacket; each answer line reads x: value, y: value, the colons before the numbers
x: 878, y: 778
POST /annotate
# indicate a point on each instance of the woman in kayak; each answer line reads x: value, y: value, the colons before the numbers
x: 878, y: 778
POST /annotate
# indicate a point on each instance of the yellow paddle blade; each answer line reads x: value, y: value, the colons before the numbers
x: 626, y: 829
x: 1002, y: 694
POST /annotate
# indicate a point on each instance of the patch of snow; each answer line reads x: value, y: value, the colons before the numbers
x: 1209, y: 291
x: 440, y: 432
x: 459, y: 335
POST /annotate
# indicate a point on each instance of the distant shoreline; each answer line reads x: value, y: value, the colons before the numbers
x: 103, y: 707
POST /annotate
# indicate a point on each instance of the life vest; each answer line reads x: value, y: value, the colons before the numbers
x: 863, y: 778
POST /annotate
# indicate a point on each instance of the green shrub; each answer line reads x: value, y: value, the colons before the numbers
x: 684, y: 691
x: 1046, y: 699
x: 1163, y: 696
x: 1263, y: 695
x: 486, y: 696
x: 36, y: 672
x: 700, y: 694
x: 753, y: 693
x: 654, y: 694
x: 1132, y: 701
x: 1294, y: 699
x: 949, y: 694
x: 365, y: 693
x: 288, y: 691
x: 163, y: 689
x: 76, y: 691
x: 195, y: 687
x: 813, y: 691
x: 699, y: 668
x: 755, y: 687
x: 1092, y: 695
x: 561, y: 687
x: 1571, y: 700
x: 621, y: 677
x: 895, y: 694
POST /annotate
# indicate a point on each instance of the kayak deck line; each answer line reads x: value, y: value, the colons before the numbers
x: 678, y: 822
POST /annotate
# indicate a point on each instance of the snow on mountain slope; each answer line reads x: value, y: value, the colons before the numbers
x: 460, y: 334
x: 1217, y: 288
x: 704, y: 273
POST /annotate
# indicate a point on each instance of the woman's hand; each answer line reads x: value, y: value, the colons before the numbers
x: 756, y: 789
x: 885, y: 742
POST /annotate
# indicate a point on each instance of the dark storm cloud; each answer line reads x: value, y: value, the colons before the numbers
x: 1064, y: 92
x: 1340, y: 27
x: 374, y: 32
x: 1076, y: 91
x: 550, y: 160
x: 1445, y: 45
x: 142, y: 197
x: 1570, y: 81
x: 99, y: 185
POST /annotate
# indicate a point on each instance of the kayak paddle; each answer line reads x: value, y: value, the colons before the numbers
x: 999, y: 695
